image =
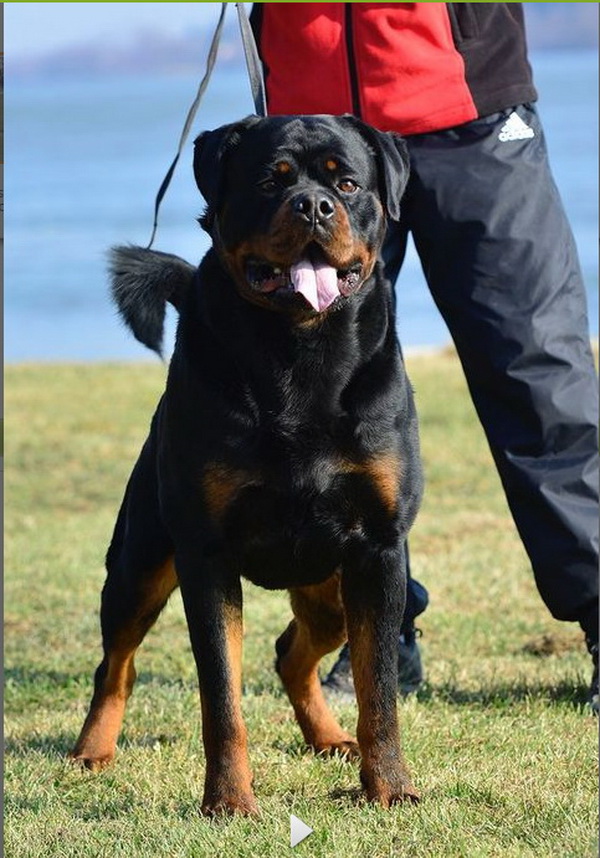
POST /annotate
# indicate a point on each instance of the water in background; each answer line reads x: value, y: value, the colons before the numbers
x: 83, y: 161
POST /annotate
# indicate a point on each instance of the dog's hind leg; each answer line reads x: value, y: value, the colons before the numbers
x: 141, y: 577
x: 318, y: 628
x: 126, y: 617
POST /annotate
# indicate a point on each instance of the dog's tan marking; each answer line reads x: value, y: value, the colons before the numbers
x: 384, y: 471
x: 221, y: 484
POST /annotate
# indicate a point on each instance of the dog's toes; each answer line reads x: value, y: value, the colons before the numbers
x: 406, y: 794
x: 229, y: 805
x: 409, y: 794
x: 398, y: 789
x: 347, y: 748
x: 92, y: 763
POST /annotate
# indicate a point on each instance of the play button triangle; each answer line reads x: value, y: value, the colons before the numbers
x: 298, y: 830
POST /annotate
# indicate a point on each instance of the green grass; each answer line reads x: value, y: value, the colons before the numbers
x: 499, y: 740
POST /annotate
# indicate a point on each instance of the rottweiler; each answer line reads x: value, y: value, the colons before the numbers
x: 284, y: 449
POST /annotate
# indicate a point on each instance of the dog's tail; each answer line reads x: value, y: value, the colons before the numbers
x: 142, y: 281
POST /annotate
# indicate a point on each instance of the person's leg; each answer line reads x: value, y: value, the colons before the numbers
x: 500, y: 260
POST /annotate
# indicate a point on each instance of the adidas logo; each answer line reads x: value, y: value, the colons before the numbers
x: 515, y: 129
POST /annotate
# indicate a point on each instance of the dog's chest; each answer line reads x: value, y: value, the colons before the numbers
x: 288, y: 524
x: 300, y: 458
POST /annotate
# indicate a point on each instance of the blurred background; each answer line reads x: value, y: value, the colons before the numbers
x: 95, y: 98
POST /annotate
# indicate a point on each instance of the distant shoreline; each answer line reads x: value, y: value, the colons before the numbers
x: 550, y: 27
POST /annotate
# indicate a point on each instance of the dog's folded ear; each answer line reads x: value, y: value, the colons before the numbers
x: 142, y: 281
x: 393, y: 165
x: 210, y: 151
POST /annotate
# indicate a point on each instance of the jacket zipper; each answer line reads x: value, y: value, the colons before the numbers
x: 351, y: 59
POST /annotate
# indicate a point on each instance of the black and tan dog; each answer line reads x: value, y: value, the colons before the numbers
x: 284, y: 449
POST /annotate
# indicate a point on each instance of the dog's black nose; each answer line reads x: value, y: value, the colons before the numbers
x: 313, y: 207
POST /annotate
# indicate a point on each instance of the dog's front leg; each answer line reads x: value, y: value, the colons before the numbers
x: 374, y: 595
x: 212, y: 597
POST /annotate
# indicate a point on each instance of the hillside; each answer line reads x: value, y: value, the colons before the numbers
x: 549, y: 25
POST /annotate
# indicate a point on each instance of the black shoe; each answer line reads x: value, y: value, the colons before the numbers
x: 339, y: 683
x: 410, y: 669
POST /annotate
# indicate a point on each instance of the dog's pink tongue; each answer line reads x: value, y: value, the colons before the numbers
x: 316, y: 282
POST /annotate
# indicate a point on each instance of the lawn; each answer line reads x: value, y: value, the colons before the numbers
x: 499, y: 740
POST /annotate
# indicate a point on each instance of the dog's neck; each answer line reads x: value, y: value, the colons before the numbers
x: 305, y: 373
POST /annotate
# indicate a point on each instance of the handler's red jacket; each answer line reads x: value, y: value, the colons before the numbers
x: 406, y: 67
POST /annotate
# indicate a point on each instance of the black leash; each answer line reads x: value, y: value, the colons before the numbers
x: 256, y: 84
x: 253, y: 63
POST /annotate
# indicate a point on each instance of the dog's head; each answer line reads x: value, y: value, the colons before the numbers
x: 297, y: 205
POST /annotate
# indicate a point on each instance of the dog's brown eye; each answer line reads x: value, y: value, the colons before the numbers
x: 268, y: 185
x: 347, y: 186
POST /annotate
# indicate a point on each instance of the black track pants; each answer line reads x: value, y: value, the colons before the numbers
x: 500, y: 261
